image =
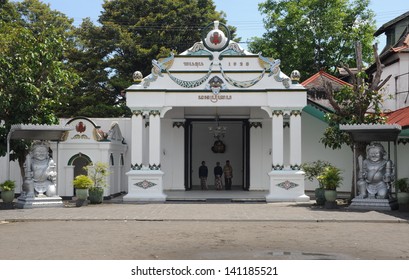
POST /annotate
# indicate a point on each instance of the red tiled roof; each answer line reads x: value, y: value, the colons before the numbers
x: 400, y: 116
x: 326, y: 75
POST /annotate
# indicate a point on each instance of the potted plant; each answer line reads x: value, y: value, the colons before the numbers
x: 81, y: 184
x: 7, y: 191
x: 98, y: 173
x: 402, y: 186
x: 330, y: 178
x: 312, y: 170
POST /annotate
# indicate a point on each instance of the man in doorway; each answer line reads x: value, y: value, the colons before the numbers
x: 203, y: 172
x: 228, y: 174
x: 218, y: 172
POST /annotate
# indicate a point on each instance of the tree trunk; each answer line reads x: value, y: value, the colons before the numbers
x: 360, y: 150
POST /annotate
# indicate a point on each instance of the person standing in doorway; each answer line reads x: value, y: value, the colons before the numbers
x: 203, y: 172
x: 228, y: 174
x: 218, y: 172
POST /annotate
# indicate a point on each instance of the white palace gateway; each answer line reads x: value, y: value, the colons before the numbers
x: 212, y: 103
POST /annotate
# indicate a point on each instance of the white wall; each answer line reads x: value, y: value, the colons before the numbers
x: 260, y: 156
x: 172, y: 155
x: 312, y: 149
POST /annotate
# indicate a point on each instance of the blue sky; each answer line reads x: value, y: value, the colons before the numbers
x: 243, y: 14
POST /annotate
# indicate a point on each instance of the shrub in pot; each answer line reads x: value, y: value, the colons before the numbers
x: 7, y: 191
x: 330, y: 179
x: 312, y: 170
x: 81, y: 184
x: 402, y: 185
x: 98, y: 173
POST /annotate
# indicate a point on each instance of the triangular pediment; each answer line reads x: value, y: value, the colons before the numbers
x: 215, y: 64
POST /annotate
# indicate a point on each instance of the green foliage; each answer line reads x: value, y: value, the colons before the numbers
x: 34, y: 70
x: 330, y: 178
x: 310, y: 35
x: 98, y: 173
x: 355, y: 105
x: 8, y: 185
x: 82, y: 182
x: 131, y: 33
x: 314, y: 169
x: 402, y: 185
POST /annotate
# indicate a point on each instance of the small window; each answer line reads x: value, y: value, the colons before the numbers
x: 112, y: 160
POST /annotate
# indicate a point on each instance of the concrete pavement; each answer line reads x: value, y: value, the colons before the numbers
x: 200, y: 211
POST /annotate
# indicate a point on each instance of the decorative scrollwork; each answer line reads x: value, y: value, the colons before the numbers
x: 154, y: 167
x: 154, y: 113
x: 295, y: 113
x: 277, y: 167
x: 145, y: 184
x: 178, y: 124
x: 242, y: 84
x: 137, y: 113
x: 136, y: 166
x: 295, y: 167
x: 287, y: 185
x: 232, y: 49
x: 256, y: 124
x: 191, y: 84
x: 274, y: 68
x: 278, y: 113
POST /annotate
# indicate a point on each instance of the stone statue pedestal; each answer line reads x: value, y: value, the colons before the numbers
x: 28, y: 202
x: 374, y: 204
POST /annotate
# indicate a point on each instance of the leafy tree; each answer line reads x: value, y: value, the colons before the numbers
x: 34, y: 71
x: 130, y: 34
x: 94, y: 96
x: 359, y: 104
x: 309, y: 35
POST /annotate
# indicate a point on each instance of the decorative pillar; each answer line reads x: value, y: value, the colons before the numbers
x: 137, y: 140
x: 286, y: 184
x: 277, y: 150
x: 154, y: 140
x: 257, y: 155
x: 295, y: 139
x: 146, y: 184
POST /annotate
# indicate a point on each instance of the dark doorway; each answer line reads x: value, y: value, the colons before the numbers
x: 200, y: 141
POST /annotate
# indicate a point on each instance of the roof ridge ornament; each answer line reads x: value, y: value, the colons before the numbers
x: 216, y: 36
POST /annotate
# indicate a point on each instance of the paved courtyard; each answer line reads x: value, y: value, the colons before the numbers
x: 195, y: 231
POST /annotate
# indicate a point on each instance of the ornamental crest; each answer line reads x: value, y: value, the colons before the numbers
x: 80, y: 127
x: 215, y: 38
x: 145, y: 184
x: 216, y: 84
x: 287, y: 185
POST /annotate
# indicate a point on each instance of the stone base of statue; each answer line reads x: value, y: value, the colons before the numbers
x: 28, y: 202
x: 374, y: 204
x: 145, y: 186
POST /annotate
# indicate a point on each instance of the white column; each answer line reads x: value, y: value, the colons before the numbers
x: 154, y: 140
x: 175, y: 158
x: 257, y: 155
x: 137, y: 140
x: 277, y: 151
x: 295, y: 139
